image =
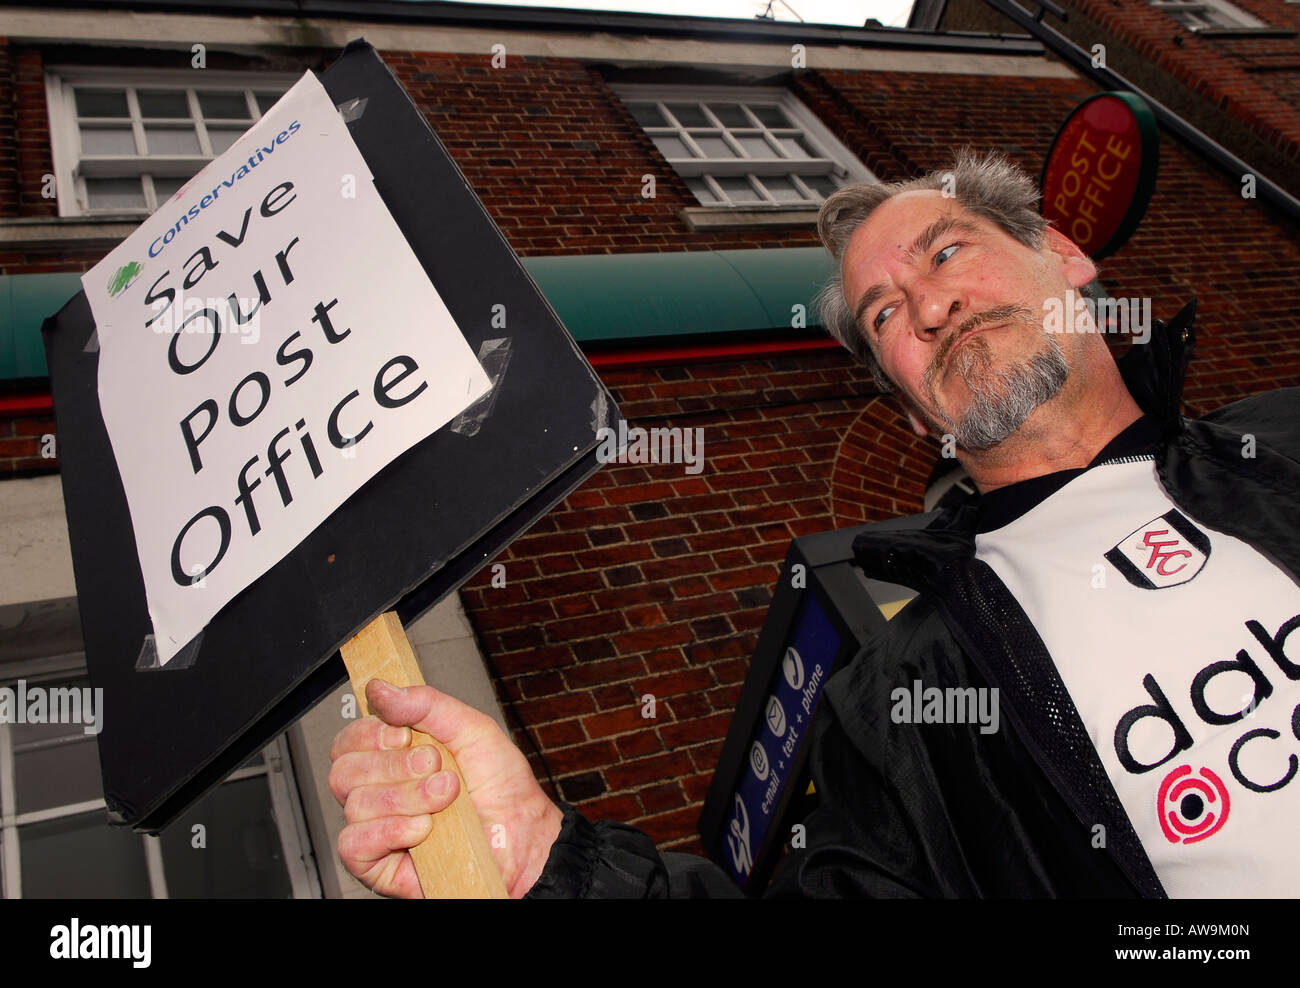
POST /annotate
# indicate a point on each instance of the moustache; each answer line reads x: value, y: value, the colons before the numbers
x: 1001, y: 313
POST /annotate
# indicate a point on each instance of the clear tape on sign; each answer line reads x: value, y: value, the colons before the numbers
x: 147, y: 660
x: 352, y: 109
x: 599, y: 412
x: 494, y: 357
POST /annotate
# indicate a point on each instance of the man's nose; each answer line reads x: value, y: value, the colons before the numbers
x: 936, y: 310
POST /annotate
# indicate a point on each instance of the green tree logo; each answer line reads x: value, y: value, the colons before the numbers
x: 124, y: 278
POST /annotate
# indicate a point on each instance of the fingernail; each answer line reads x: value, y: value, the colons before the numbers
x: 386, y: 687
x: 438, y: 784
x: 422, y: 759
x: 395, y: 737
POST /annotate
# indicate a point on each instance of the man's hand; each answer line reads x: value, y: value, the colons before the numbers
x: 388, y: 791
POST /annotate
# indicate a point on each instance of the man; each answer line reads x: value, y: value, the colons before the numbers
x: 1125, y: 581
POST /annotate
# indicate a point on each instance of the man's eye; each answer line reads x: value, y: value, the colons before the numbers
x: 946, y: 253
x: 881, y: 316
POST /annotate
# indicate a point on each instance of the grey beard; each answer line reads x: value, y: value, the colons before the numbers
x: 1001, y: 401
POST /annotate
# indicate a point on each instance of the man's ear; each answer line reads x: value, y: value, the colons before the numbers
x: 1077, y: 266
x: 918, y: 425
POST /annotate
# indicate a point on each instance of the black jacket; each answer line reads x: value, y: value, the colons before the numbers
x: 942, y: 809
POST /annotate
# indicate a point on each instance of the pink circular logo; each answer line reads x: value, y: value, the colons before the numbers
x: 1191, y: 808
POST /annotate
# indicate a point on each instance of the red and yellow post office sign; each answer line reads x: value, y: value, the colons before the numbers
x: 1100, y: 172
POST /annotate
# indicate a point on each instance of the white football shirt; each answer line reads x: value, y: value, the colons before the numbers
x: 1180, y: 647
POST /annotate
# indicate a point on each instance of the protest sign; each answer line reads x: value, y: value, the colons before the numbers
x: 401, y: 529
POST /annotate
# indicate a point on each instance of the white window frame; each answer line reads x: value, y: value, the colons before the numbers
x: 1218, y: 14
x: 833, y: 157
x: 65, y: 139
x: 295, y: 843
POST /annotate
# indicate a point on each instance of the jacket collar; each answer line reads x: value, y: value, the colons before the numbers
x: 1154, y: 373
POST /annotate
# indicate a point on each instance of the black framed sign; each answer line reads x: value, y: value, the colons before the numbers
x: 478, y: 471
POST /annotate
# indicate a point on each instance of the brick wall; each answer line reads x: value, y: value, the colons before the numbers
x: 649, y: 580
x: 1240, y: 89
x: 8, y: 136
x: 35, y: 159
x: 22, y: 441
x: 558, y: 160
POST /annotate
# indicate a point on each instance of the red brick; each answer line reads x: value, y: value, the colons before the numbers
x: 638, y: 743
x: 496, y: 617
x: 642, y: 771
x: 689, y: 706
x: 665, y: 796
x: 754, y: 576
x: 596, y: 754
x: 671, y: 684
x: 531, y: 660
x: 541, y: 684
x: 620, y: 808
x: 686, y: 733
x: 588, y: 626
x: 646, y: 492
x: 673, y: 824
x: 20, y: 447
x: 614, y: 722
x: 557, y: 735
x: 558, y: 707
x: 640, y: 641
x: 589, y: 674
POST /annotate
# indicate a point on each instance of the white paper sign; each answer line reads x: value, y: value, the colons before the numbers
x: 268, y: 343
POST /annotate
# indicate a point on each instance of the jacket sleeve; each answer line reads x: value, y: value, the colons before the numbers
x: 607, y: 860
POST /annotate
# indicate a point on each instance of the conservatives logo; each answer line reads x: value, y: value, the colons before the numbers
x: 124, y: 277
x: 262, y: 152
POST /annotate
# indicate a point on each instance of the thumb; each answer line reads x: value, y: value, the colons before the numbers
x: 430, y: 711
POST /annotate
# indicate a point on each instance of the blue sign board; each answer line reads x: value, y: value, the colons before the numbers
x: 776, y: 744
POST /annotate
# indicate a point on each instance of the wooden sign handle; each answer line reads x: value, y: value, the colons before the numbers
x: 454, y: 861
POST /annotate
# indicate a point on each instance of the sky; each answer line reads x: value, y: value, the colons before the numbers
x: 847, y: 12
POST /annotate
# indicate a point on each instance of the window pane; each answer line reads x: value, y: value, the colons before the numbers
x: 160, y: 103
x: 714, y: 147
x: 267, y: 100
x: 63, y: 773
x: 115, y: 193
x: 781, y: 189
x: 171, y: 140
x: 755, y: 146
x: 671, y: 147
x: 101, y: 103
x: 701, y: 190
x: 107, y: 140
x: 730, y: 114
x: 82, y: 857
x: 647, y: 115
x: 689, y: 114
x: 222, y: 137
x: 823, y: 184
x: 225, y: 106
x: 797, y: 147
x: 242, y: 857
x: 166, y: 187
x: 739, y: 190
x: 772, y: 116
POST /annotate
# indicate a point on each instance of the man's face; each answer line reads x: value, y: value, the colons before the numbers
x: 952, y: 306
